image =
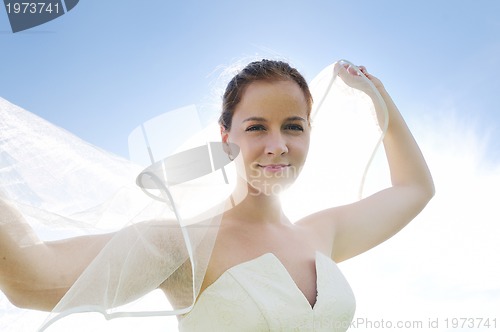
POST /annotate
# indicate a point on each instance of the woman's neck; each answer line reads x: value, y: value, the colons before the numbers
x: 256, y: 208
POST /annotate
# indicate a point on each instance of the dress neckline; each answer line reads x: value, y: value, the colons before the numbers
x: 282, y: 268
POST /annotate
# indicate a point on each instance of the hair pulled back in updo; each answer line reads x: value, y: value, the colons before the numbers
x: 264, y: 70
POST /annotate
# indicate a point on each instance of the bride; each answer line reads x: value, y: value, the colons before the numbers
x: 260, y: 270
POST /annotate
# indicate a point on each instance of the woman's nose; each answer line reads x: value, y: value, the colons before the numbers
x: 276, y: 145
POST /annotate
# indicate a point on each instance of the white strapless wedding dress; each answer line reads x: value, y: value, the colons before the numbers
x: 260, y: 295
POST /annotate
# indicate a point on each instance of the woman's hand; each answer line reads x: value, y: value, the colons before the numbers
x: 356, y: 77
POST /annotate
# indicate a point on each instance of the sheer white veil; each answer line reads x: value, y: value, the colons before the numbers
x: 165, y: 205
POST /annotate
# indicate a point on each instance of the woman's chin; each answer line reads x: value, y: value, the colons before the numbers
x: 268, y: 188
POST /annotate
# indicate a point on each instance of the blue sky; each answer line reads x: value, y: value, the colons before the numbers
x: 106, y: 66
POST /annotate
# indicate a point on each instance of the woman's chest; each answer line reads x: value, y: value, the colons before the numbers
x: 296, y: 255
x: 260, y: 295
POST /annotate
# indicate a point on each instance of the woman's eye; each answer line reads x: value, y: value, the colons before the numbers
x: 294, y: 127
x: 255, y: 128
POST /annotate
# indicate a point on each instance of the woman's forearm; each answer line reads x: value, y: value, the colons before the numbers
x: 406, y: 162
x: 18, y: 243
x: 36, y: 274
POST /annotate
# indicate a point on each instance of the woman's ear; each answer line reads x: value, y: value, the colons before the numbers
x: 224, y: 134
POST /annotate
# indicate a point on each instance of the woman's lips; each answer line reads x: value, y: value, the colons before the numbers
x: 274, y: 167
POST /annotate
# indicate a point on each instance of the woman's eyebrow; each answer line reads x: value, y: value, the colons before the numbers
x: 255, y: 118
x: 261, y: 119
x: 296, y: 118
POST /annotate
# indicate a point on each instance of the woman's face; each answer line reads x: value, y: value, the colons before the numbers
x: 271, y: 127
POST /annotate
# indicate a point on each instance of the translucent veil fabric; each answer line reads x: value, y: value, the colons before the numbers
x: 164, y: 207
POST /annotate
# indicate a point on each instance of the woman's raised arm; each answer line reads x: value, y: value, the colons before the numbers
x: 36, y: 274
x: 357, y: 227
